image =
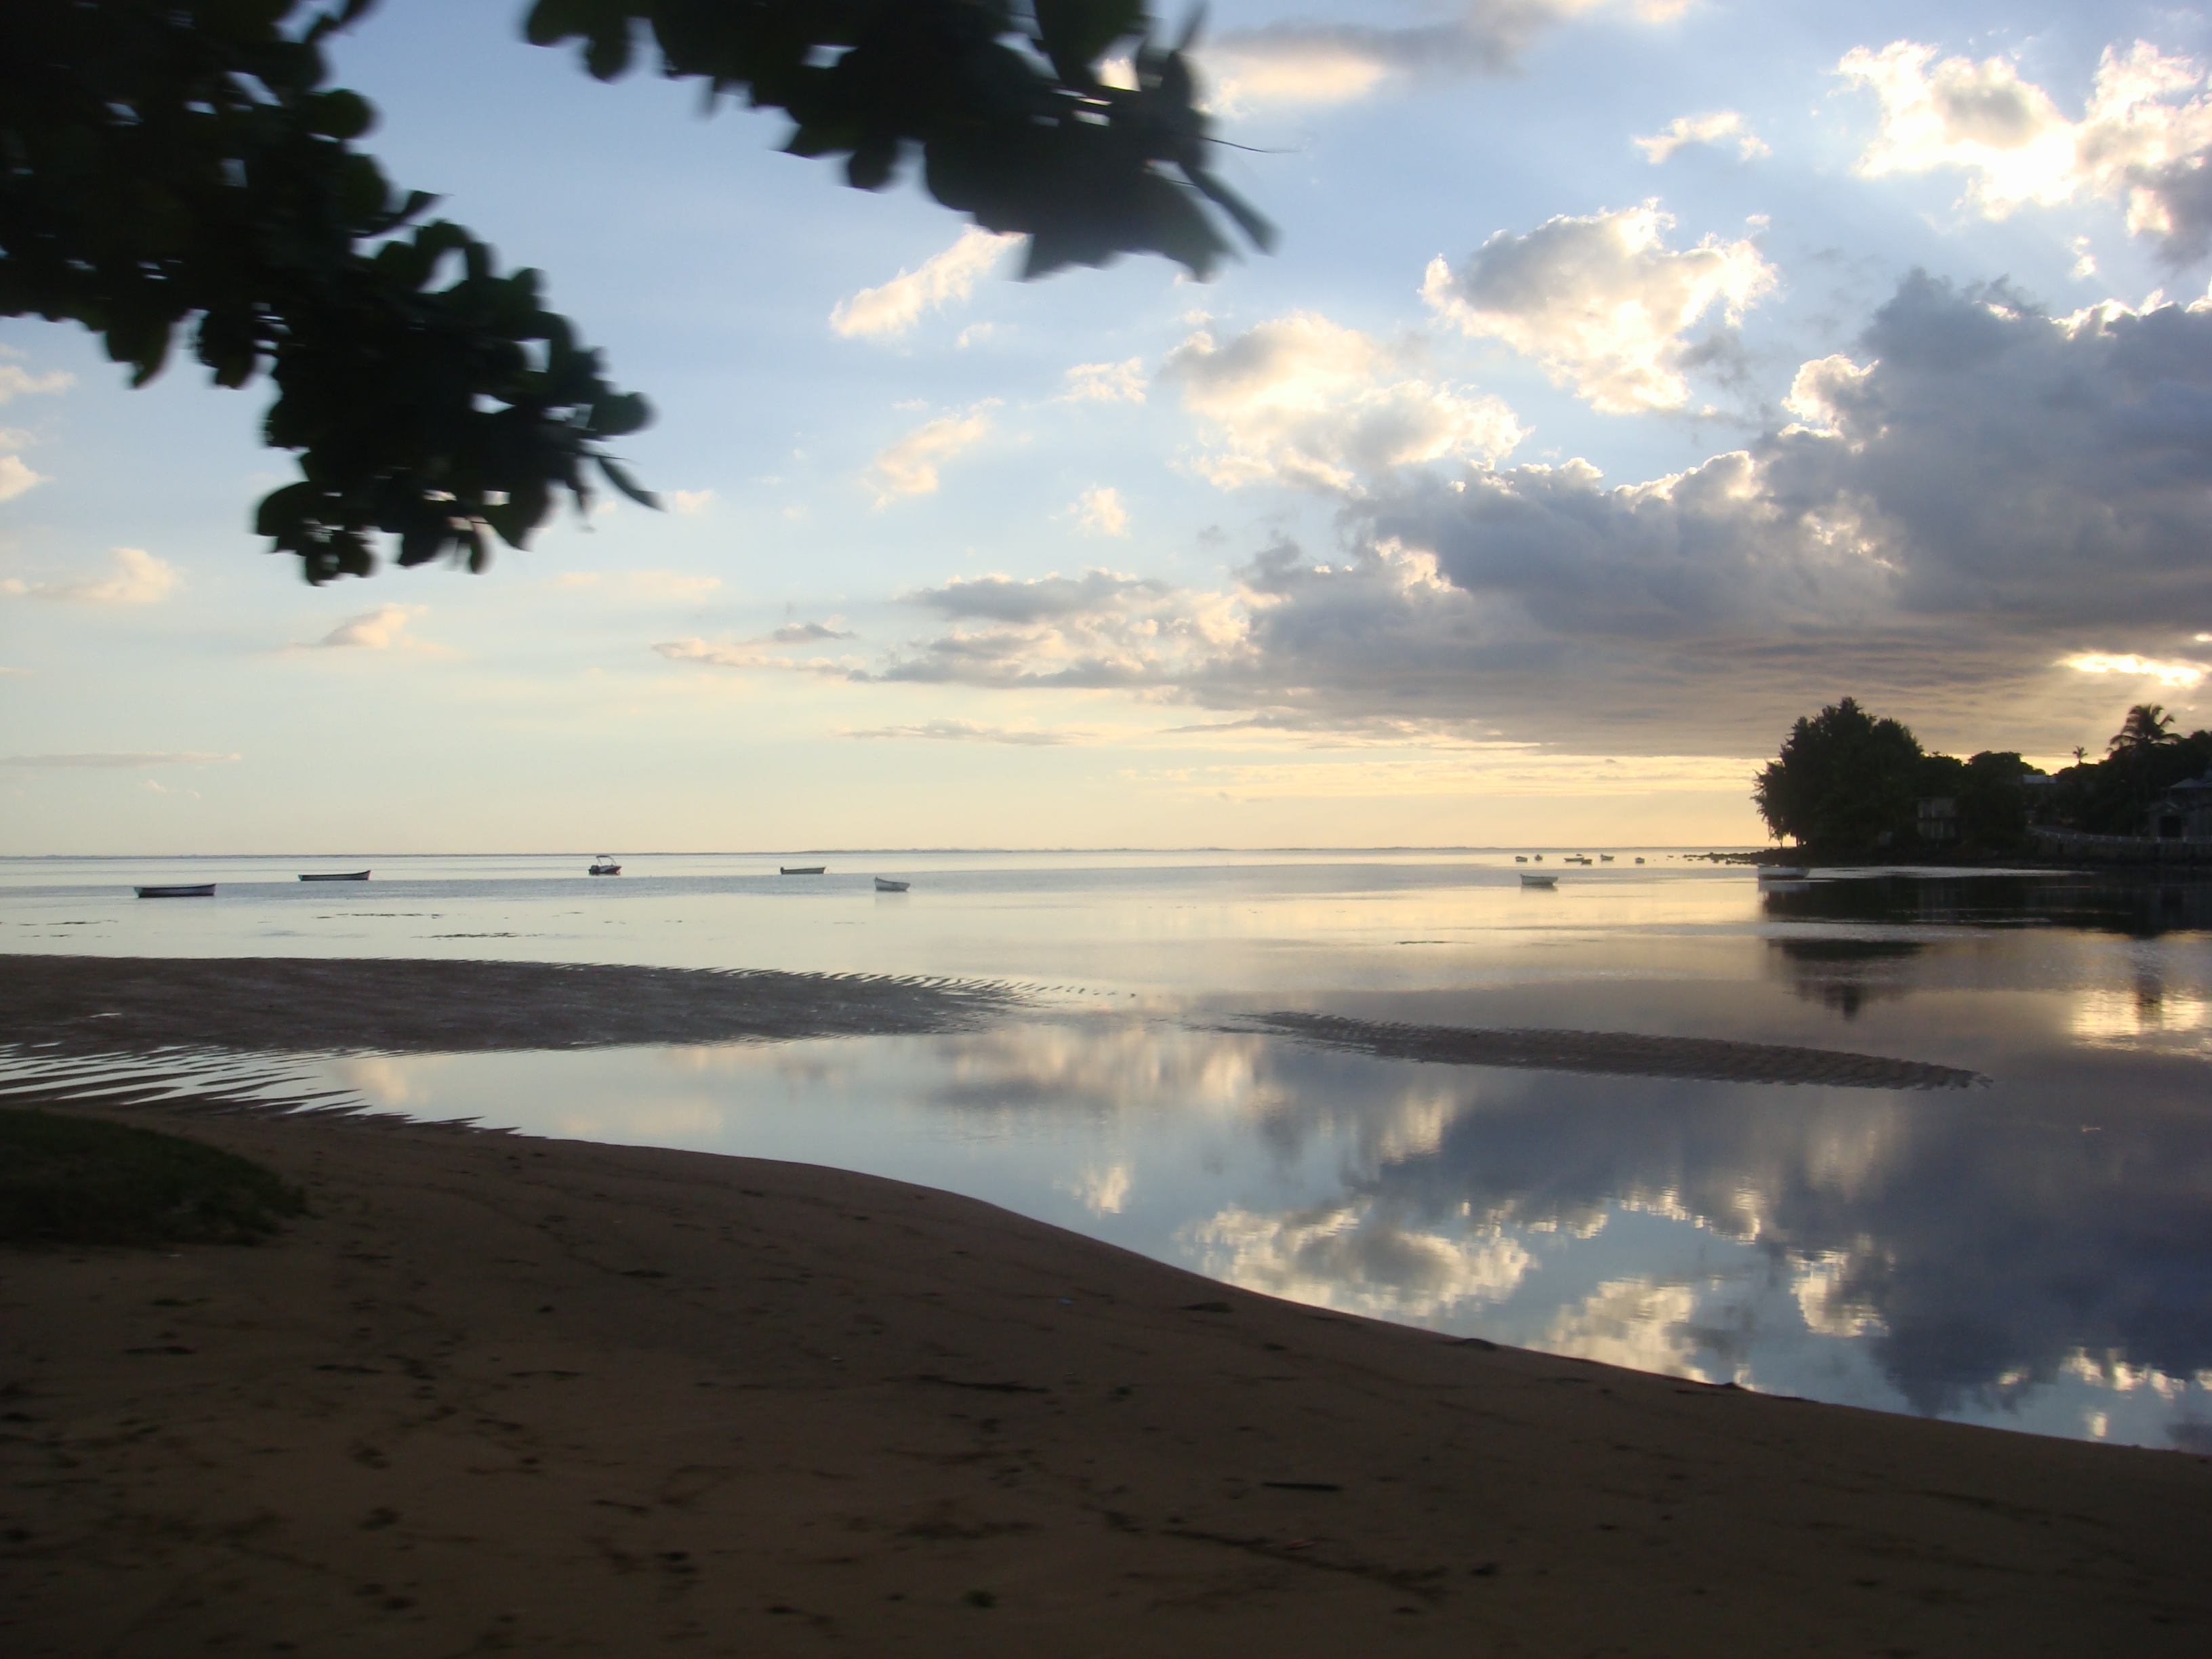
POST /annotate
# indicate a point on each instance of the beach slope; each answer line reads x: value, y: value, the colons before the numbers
x: 503, y: 1394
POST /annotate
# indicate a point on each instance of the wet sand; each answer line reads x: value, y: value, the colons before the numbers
x: 135, y: 1005
x: 507, y: 1395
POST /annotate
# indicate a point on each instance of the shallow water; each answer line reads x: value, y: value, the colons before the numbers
x: 2035, y: 1251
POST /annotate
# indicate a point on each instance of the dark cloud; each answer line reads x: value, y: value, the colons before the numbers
x: 1003, y: 598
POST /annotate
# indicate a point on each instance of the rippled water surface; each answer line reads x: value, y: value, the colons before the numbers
x: 2034, y: 1250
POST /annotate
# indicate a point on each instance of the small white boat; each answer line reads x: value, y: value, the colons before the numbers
x: 1783, y: 872
x: 345, y: 875
x: 606, y: 866
x: 1530, y: 878
x: 801, y: 869
x: 185, y: 889
x: 886, y: 885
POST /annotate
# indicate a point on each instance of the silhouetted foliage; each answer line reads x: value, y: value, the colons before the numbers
x: 168, y: 164
x: 2145, y: 758
x: 1845, y: 783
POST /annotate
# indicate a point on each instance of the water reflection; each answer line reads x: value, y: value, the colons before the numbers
x: 2110, y: 901
x: 1997, y: 1255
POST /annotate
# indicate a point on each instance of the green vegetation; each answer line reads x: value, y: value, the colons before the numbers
x: 167, y: 164
x: 1848, y: 784
x: 67, y: 1180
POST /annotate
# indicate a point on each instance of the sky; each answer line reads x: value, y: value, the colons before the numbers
x: 1632, y: 377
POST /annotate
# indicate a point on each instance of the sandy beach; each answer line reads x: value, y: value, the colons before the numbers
x: 498, y: 1394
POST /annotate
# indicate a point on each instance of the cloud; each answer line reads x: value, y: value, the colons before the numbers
x: 16, y: 382
x: 1326, y: 62
x: 689, y: 502
x: 1711, y: 129
x: 1098, y: 512
x: 1978, y: 492
x: 139, y: 579
x: 890, y: 311
x: 1098, y: 630
x: 381, y: 630
x: 1601, y: 302
x: 804, y: 633
x: 1106, y: 383
x: 118, y: 761
x: 1300, y: 400
x: 645, y: 584
x: 748, y: 654
x: 908, y: 467
x: 967, y: 732
x: 2181, y: 676
x: 2143, y: 139
x: 15, y: 478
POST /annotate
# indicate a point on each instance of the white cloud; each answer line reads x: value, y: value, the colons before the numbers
x: 645, y: 584
x: 1300, y: 400
x: 1326, y: 63
x: 1965, y: 498
x: 118, y: 761
x: 1106, y: 383
x: 749, y: 654
x: 2143, y: 139
x: 887, y: 312
x: 2178, y: 675
x: 16, y: 382
x: 1716, y: 127
x: 1100, y: 629
x: 1098, y: 512
x: 382, y: 630
x: 968, y: 731
x: 1601, y: 301
x: 139, y: 579
x: 15, y: 478
x: 799, y: 632
x: 689, y: 502
x: 908, y: 467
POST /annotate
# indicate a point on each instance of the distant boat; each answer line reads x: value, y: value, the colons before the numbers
x: 884, y: 885
x: 1606, y: 858
x: 345, y: 875
x: 1639, y: 860
x: 1783, y: 872
x: 191, y: 889
x: 1519, y: 858
x: 1530, y: 878
x: 606, y: 866
x: 1576, y: 857
x: 802, y: 869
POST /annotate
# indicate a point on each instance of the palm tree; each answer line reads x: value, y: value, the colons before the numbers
x: 2146, y: 727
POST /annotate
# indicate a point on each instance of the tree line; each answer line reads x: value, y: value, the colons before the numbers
x: 1849, y: 783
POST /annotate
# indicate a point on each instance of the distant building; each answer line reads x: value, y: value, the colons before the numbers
x: 1936, y: 817
x: 2183, y: 812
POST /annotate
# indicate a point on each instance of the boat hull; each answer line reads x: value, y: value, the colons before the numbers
x: 344, y: 875
x: 801, y: 869
x: 191, y: 889
x: 883, y: 886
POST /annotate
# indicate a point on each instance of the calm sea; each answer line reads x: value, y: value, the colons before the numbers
x: 2034, y: 1252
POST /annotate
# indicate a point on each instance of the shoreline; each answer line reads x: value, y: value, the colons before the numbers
x: 532, y: 1395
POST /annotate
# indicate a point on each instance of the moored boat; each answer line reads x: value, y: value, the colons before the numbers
x: 1530, y: 878
x: 606, y: 866
x: 886, y: 885
x: 183, y: 889
x: 801, y: 869
x: 340, y: 875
